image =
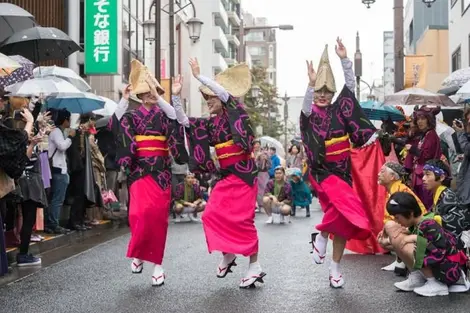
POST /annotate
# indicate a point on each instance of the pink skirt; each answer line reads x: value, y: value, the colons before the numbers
x: 229, y: 217
x: 344, y: 215
x: 148, y: 219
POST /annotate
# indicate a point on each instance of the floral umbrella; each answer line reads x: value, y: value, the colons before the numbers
x: 21, y: 74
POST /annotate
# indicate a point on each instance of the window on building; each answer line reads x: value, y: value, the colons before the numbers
x: 254, y: 36
x: 456, y: 60
x: 257, y: 50
x: 126, y: 64
x: 465, y: 4
x: 126, y: 40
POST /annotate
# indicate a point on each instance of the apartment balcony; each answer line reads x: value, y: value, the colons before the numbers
x: 220, y: 40
x: 218, y: 62
x: 231, y: 61
x: 234, y: 18
x: 233, y: 40
x: 220, y: 14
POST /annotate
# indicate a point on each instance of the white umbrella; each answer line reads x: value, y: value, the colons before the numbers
x: 445, y: 132
x: 7, y: 65
x: 41, y: 86
x: 457, y: 78
x: 109, y: 108
x: 464, y: 91
x: 271, y: 142
x: 64, y: 73
x: 418, y: 96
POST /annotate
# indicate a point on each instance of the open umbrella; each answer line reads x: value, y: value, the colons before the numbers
x: 109, y: 108
x: 457, y: 78
x: 13, y: 19
x: 377, y: 111
x: 271, y: 142
x: 418, y: 96
x: 7, y: 65
x: 41, y: 86
x: 81, y: 102
x: 23, y: 73
x: 40, y: 44
x: 64, y: 73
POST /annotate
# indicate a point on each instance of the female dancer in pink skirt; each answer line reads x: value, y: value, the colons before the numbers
x: 147, y: 136
x: 228, y: 219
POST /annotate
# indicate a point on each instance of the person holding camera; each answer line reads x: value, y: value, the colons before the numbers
x: 462, y: 128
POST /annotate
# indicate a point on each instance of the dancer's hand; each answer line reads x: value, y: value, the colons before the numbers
x: 196, y: 70
x: 177, y: 85
x: 312, y: 75
x: 126, y: 92
x: 341, y: 49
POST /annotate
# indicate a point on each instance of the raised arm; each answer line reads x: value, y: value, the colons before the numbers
x: 180, y: 116
x: 167, y: 108
x: 349, y: 78
x: 220, y: 91
x: 308, y: 99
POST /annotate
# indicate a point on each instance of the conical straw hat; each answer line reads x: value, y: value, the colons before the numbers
x: 325, y: 77
x: 138, y: 79
x: 236, y: 80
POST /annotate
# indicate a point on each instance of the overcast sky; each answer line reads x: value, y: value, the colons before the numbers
x: 319, y: 22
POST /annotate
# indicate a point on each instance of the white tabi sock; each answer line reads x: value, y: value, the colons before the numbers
x: 320, y: 244
x: 334, y: 269
x: 254, y: 268
x: 228, y: 258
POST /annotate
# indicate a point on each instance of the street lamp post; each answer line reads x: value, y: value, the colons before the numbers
x: 245, y: 30
x: 152, y: 31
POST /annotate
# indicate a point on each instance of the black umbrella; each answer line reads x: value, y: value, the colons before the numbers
x: 40, y: 44
x: 13, y: 19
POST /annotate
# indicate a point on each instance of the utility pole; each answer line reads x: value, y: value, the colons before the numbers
x: 399, y: 45
x: 358, y: 68
x: 286, y: 116
x: 171, y: 13
x: 158, y: 40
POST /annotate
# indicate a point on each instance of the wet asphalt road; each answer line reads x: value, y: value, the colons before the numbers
x: 99, y: 280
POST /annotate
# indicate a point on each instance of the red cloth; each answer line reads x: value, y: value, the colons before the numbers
x: 365, y: 166
x: 148, y: 219
x: 229, y: 217
x: 344, y: 214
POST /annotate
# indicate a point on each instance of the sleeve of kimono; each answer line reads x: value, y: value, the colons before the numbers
x: 220, y: 91
x: 126, y: 145
x: 167, y: 108
x: 121, y: 108
x: 176, y: 142
x: 349, y: 77
x: 269, y: 191
x: 464, y: 143
x: 288, y: 194
x: 428, y: 148
x: 452, y: 213
x: 200, y: 160
x: 179, y: 111
x: 179, y: 194
x: 431, y: 244
x: 308, y: 100
x: 240, y: 124
x: 359, y: 127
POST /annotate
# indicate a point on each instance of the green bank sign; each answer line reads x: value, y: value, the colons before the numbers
x: 101, y: 40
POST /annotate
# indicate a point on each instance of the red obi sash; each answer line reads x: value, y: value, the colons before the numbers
x: 228, y: 153
x: 337, y: 149
x: 151, y: 146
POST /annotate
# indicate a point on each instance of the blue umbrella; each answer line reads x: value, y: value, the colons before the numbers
x: 377, y: 111
x: 81, y: 103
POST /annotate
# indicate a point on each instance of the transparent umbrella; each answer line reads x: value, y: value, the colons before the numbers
x: 7, y: 65
x: 271, y: 142
x: 47, y: 86
x: 63, y: 73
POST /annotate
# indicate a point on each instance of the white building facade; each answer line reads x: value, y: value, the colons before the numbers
x: 459, y: 34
